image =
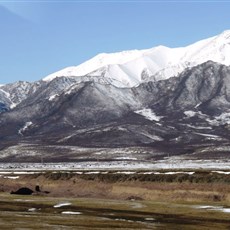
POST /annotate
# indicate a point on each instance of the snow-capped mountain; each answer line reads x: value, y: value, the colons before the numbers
x: 125, y: 69
x: 188, y: 113
x: 170, y: 108
x: 130, y: 68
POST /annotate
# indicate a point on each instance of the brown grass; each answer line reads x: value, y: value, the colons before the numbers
x: 201, y: 186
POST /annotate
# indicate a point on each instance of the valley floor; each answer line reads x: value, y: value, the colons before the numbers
x: 116, y: 199
x: 20, y: 212
x: 173, y: 163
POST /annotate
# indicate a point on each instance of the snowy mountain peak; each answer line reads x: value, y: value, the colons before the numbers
x: 130, y: 68
x: 225, y: 34
x: 222, y: 39
x: 95, y: 63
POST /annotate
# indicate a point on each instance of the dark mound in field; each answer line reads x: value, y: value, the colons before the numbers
x: 23, y: 191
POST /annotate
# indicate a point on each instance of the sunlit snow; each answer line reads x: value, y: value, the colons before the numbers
x: 213, y: 208
x: 130, y: 68
x: 51, y: 98
x: 71, y: 213
x: 59, y: 205
x: 25, y: 127
x: 148, y: 114
x: 190, y: 113
x: 224, y: 118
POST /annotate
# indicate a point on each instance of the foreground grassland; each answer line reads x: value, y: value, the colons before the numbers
x: 20, y: 212
x: 197, y: 200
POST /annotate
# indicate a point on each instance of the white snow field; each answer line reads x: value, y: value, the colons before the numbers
x: 130, y: 68
x: 173, y: 163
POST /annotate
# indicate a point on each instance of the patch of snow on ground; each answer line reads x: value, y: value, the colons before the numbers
x: 227, y: 210
x: 5, y: 173
x: 126, y: 158
x: 71, y: 213
x: 126, y: 172
x: 149, y: 218
x: 11, y: 177
x: 149, y: 114
x: 32, y: 209
x: 222, y: 172
x: 92, y: 172
x: 22, y: 173
x: 174, y: 163
x: 213, y: 208
x: 171, y: 173
x: 59, y: 205
x: 137, y: 205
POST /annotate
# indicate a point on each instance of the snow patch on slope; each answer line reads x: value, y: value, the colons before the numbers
x: 210, y: 136
x: 148, y: 114
x: 224, y: 118
x: 4, y: 92
x: 52, y: 97
x: 24, y: 128
x: 190, y: 113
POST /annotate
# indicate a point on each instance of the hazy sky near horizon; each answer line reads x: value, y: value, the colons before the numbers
x: 40, y: 37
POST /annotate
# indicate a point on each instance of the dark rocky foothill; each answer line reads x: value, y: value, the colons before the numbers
x: 189, y: 111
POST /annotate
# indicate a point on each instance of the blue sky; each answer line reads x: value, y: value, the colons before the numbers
x: 40, y: 37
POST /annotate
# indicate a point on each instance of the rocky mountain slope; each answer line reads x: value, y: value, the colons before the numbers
x: 188, y: 113
x: 64, y: 119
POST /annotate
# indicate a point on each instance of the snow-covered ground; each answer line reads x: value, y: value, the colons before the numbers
x: 174, y: 163
x: 59, y: 205
x: 71, y: 213
x: 213, y: 208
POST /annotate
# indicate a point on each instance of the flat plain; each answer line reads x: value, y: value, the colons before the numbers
x: 116, y: 200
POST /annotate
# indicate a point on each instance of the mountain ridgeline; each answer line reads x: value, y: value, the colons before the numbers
x: 182, y: 114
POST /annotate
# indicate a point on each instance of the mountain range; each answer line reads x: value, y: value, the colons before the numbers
x: 140, y: 104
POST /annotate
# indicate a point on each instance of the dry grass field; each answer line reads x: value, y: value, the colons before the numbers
x: 116, y: 200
